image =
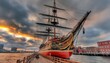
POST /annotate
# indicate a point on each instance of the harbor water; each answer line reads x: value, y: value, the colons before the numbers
x: 90, y: 59
x: 12, y: 57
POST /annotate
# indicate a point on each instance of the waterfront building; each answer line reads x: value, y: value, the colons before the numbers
x: 13, y: 49
x: 1, y: 46
x: 78, y: 50
x: 104, y: 47
x: 91, y: 50
x: 75, y: 50
x: 86, y: 50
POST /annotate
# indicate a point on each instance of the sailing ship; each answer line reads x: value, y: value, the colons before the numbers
x: 59, y: 46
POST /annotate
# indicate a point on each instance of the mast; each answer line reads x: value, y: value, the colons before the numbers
x: 54, y: 14
x: 53, y: 19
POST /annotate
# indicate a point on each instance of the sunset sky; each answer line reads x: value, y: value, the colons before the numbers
x: 21, y: 16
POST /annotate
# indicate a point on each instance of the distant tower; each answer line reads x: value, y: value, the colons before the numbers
x: 1, y: 46
x: 13, y: 49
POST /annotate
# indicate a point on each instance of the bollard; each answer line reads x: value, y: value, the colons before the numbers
x: 37, y: 56
x: 24, y: 60
x: 18, y: 61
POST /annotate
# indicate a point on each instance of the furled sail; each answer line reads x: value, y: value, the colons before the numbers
x: 68, y: 42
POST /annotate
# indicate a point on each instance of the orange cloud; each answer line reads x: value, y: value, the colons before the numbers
x: 13, y: 31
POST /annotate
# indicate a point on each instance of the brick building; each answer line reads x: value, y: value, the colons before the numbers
x: 91, y: 50
x: 104, y: 47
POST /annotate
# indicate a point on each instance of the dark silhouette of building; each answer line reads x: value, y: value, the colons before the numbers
x: 13, y: 49
x: 1, y: 46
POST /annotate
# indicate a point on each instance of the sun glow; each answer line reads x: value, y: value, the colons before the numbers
x: 13, y: 31
x: 2, y: 39
x: 3, y: 28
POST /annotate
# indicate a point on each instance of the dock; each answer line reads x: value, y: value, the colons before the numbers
x: 38, y: 58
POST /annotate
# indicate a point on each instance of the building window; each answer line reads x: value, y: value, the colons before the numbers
x: 108, y: 42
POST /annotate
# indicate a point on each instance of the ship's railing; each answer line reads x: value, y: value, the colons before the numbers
x: 27, y: 59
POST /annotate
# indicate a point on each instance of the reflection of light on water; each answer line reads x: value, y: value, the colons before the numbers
x: 90, y: 59
x: 11, y: 57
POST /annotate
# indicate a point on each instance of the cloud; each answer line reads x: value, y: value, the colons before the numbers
x: 25, y: 14
x: 14, y: 11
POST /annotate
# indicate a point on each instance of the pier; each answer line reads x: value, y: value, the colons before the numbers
x: 38, y: 58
